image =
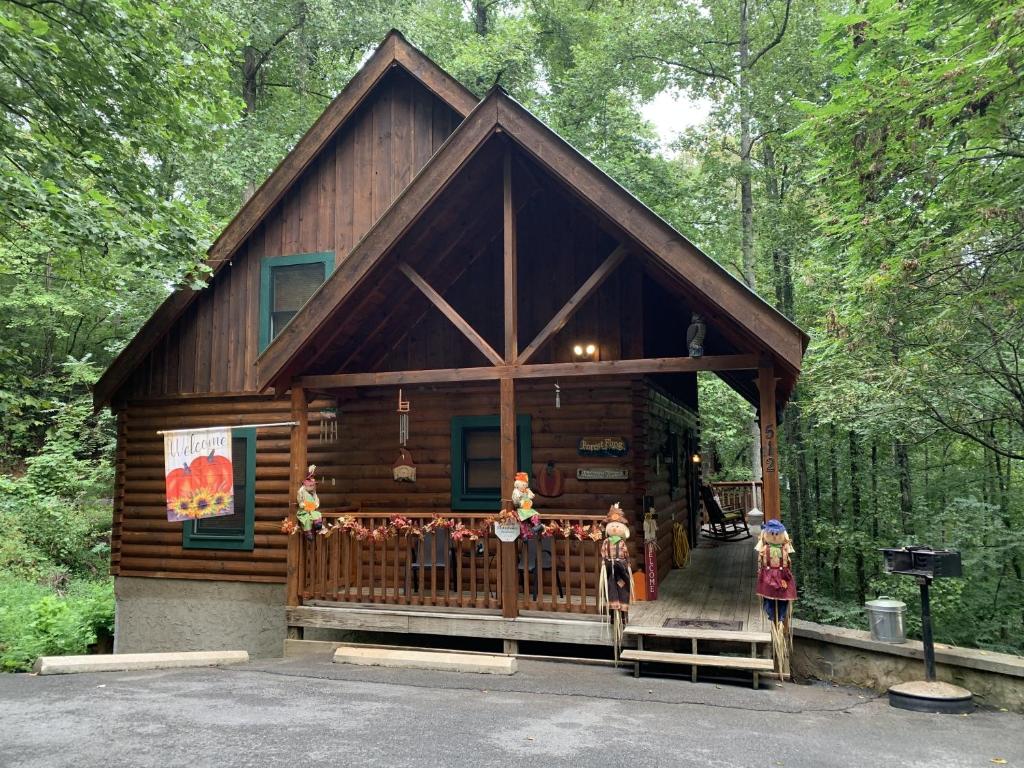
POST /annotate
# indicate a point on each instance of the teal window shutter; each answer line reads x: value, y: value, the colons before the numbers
x: 476, y: 463
x: 234, y: 531
x: 286, y: 283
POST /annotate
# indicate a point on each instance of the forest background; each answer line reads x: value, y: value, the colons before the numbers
x: 861, y: 165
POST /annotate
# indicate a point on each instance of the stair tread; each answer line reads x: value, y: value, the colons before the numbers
x: 700, y: 634
x: 700, y: 659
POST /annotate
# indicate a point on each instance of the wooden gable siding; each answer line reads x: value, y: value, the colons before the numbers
x: 559, y: 248
x: 212, y: 346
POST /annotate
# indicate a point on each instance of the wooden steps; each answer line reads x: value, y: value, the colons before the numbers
x: 749, y: 641
x: 700, y: 660
x: 724, y: 635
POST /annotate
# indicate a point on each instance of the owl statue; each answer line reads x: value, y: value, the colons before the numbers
x: 695, y: 336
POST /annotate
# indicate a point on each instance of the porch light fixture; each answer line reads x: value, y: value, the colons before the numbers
x: 584, y: 351
x: 696, y: 459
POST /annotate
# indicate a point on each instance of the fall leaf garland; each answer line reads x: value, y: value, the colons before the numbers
x: 399, y: 525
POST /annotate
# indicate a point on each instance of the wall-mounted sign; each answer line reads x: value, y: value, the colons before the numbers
x: 602, y: 446
x: 602, y: 473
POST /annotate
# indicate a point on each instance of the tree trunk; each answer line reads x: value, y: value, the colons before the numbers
x: 903, y: 473
x: 818, y: 552
x: 833, y: 465
x: 856, y: 515
x: 480, y: 21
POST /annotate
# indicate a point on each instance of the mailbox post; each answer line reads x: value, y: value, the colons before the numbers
x: 926, y: 564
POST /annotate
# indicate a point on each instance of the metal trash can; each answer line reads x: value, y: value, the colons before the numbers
x: 885, y: 616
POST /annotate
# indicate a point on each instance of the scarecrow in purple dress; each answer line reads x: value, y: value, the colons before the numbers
x: 776, y: 586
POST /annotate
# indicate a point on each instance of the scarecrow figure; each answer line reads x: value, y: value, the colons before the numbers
x: 615, y: 582
x: 776, y: 586
x: 308, y: 512
x: 522, y: 498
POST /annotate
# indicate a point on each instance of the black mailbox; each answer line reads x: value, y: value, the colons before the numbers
x: 923, y: 561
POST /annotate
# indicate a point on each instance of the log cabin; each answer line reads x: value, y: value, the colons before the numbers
x: 421, y: 245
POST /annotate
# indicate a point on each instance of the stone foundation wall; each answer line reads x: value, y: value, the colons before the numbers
x: 192, y: 615
x: 850, y: 657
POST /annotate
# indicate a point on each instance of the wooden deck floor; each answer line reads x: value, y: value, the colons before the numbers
x: 717, y: 585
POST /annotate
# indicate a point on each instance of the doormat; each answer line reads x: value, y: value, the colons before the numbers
x: 728, y: 626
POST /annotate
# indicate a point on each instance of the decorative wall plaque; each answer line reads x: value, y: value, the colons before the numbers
x: 507, y: 530
x: 602, y: 473
x: 602, y: 446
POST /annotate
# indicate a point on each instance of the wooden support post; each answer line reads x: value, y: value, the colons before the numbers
x: 769, y: 444
x: 507, y: 409
x: 511, y: 269
x: 509, y: 582
x: 297, y: 471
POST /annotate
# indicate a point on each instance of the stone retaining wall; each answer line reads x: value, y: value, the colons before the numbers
x: 851, y: 657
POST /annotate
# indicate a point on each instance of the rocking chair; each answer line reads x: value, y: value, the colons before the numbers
x: 724, y: 525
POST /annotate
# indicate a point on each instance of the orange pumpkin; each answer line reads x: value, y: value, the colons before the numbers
x: 213, y: 472
x: 180, y: 484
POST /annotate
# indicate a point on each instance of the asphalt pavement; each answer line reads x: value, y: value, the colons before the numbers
x: 310, y: 712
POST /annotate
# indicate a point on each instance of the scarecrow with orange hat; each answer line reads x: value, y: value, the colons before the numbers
x: 615, y: 581
x: 522, y: 498
x: 308, y: 512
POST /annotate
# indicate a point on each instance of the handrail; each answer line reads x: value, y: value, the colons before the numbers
x: 377, y: 513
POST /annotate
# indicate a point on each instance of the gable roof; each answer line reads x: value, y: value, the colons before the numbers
x: 393, y: 51
x: 623, y: 213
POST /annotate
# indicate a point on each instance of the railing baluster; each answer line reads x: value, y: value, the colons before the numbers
x: 566, y: 580
x: 583, y: 574
x: 397, y: 569
x: 358, y: 544
x: 433, y: 569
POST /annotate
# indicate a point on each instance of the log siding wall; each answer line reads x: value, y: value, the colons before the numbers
x: 356, y: 468
x: 657, y: 415
x: 212, y: 347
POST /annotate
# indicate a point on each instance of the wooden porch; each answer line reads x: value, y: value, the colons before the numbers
x: 716, y: 587
x: 714, y: 593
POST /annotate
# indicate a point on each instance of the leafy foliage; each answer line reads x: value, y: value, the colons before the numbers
x: 861, y: 165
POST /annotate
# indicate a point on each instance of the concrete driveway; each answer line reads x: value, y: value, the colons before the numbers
x: 310, y: 712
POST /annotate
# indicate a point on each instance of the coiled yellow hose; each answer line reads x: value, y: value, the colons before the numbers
x: 680, y: 546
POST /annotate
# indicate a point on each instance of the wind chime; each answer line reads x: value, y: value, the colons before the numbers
x: 327, y: 425
x: 403, y: 470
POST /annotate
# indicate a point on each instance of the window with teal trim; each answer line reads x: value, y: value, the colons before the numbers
x: 286, y: 282
x: 476, y: 460
x: 234, y: 531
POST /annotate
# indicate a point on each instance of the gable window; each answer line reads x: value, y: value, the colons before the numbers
x: 476, y: 460
x: 286, y: 282
x: 234, y: 531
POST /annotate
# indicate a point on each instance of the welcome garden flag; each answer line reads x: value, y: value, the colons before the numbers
x: 199, y: 474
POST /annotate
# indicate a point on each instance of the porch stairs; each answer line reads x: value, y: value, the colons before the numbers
x: 728, y: 649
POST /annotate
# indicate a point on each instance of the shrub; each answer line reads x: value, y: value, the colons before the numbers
x: 35, y: 621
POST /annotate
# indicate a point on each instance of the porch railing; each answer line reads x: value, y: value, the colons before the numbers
x: 402, y: 558
x: 739, y: 495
